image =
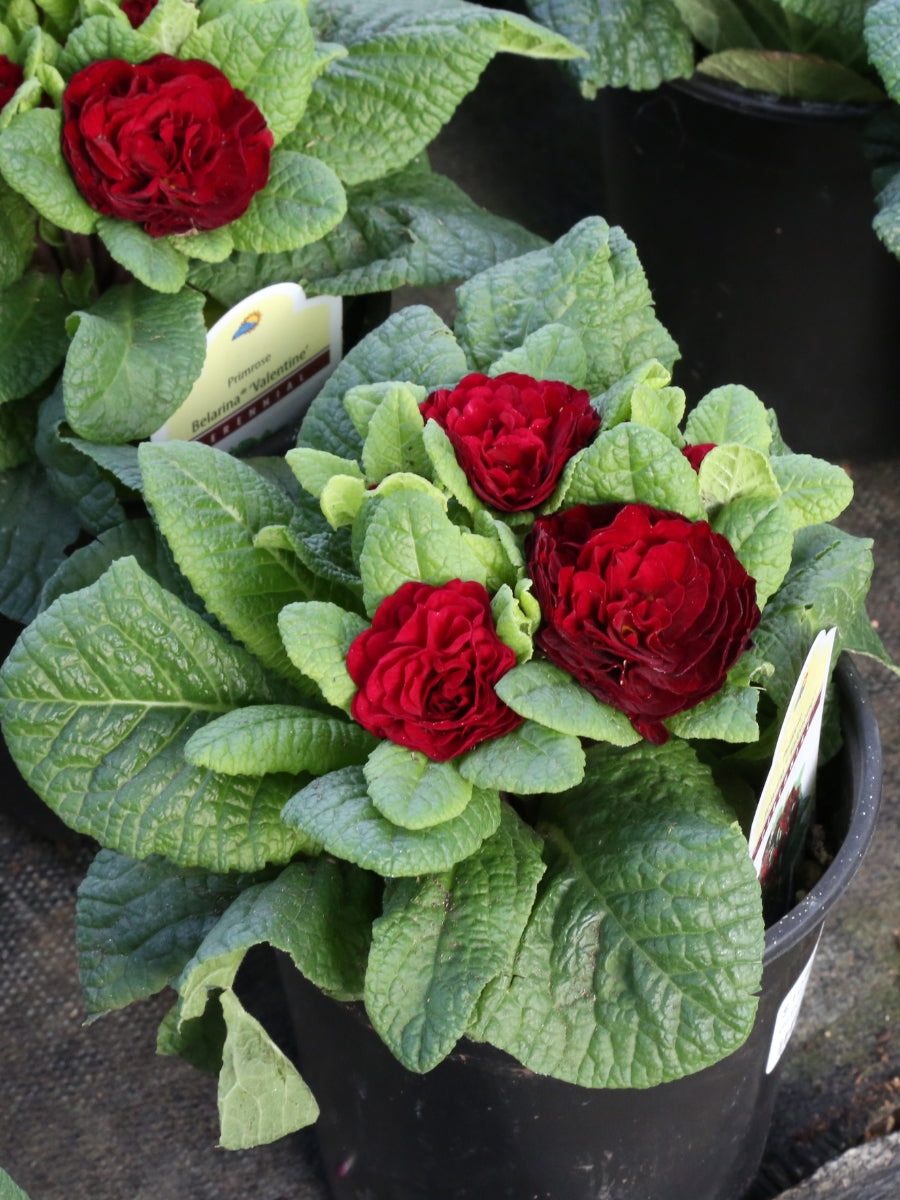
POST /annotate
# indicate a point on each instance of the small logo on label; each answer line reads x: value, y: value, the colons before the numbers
x: 248, y: 324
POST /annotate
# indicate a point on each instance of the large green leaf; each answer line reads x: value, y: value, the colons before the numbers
x: 443, y: 938
x: 366, y: 114
x: 628, y: 976
x: 533, y: 758
x: 32, y: 163
x: 337, y: 811
x: 35, y: 528
x: 591, y: 281
x: 100, y: 694
x: 412, y: 790
x: 138, y: 924
x: 543, y: 692
x: 209, y: 507
x: 784, y: 73
x: 301, y: 202
x: 117, y: 385
x: 32, y: 333
x: 630, y: 43
x: 16, y: 235
x: 153, y: 261
x: 98, y: 37
x: 729, y: 414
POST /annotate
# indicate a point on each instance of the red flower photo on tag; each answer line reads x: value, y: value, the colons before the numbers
x: 170, y: 145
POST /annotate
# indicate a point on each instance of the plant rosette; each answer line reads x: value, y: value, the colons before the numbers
x: 160, y: 162
x: 459, y: 725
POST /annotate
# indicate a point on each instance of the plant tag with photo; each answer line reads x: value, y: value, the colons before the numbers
x: 780, y: 823
x: 266, y: 358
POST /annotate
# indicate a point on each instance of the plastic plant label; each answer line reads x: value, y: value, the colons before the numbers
x: 788, y: 1012
x: 266, y: 358
x: 781, y: 819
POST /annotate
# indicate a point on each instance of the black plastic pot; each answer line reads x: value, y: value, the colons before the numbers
x: 481, y: 1125
x: 752, y: 218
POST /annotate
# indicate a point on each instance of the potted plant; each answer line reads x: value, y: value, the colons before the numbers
x: 385, y: 724
x: 159, y: 162
x: 759, y: 146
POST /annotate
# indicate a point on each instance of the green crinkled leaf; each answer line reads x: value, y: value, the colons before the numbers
x: 319, y: 912
x: 316, y: 468
x: 442, y: 939
x: 729, y: 716
x: 120, y: 461
x: 209, y: 507
x: 795, y: 76
x: 261, y: 1095
x: 412, y: 790
x: 169, y: 23
x: 99, y: 37
x: 729, y: 414
x: 731, y: 472
x: 99, y: 696
x: 32, y: 163
x: 139, y: 923
x: 552, y: 352
x: 517, y: 616
x: 366, y: 113
x: 545, y: 693
x: 413, y: 344
x: 394, y: 439
x: 718, y: 24
x: 627, y: 977
x: 35, y: 528
x: 267, y: 51
x: 208, y: 245
x: 16, y: 235
x: 336, y: 811
x: 33, y: 338
x: 761, y: 534
x: 630, y: 43
x: 117, y: 385
x: 136, y: 538
x: 659, y: 408
x: 317, y: 636
x: 153, y: 261
x: 74, y: 476
x: 323, y: 554
x: 533, y: 758
x: 630, y: 463
x: 302, y: 200
x: 199, y: 1042
x: 614, y: 405
x: 278, y: 737
x: 445, y: 469
x: 844, y: 15
x: 812, y: 490
x: 590, y: 281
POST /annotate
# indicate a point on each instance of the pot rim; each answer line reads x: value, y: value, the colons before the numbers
x: 768, y: 105
x: 862, y: 743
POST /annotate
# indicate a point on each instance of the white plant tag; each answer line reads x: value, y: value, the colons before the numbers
x: 265, y: 360
x: 788, y: 1012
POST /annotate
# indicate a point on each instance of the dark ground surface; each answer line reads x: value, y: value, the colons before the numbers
x: 91, y: 1113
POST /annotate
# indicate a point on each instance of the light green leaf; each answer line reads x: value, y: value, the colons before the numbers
x: 99, y: 696
x: 153, y: 261
x: 812, y: 490
x: 394, y: 438
x: 31, y: 162
x: 169, y: 23
x: 267, y: 51
x: 32, y: 334
x: 278, y: 737
x: 630, y: 463
x: 315, y: 469
x: 209, y: 507
x: 729, y: 414
x: 730, y: 472
x: 445, y: 468
x: 411, y: 344
x: 208, y: 245
x: 9, y: 1190
x: 729, y: 716
x: 261, y: 1095
x: 342, y: 498
x: 517, y: 616
x: 590, y: 281
x: 624, y: 977
x: 114, y: 360
x: 614, y: 405
x: 100, y: 37
x: 630, y: 43
x: 761, y: 534
x: 336, y: 810
x: 552, y: 352
x: 544, y: 693
x: 659, y: 408
x: 442, y: 939
x: 139, y: 923
x: 411, y: 790
x: 317, y: 636
x: 795, y: 76
x: 301, y: 202
x: 531, y: 759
